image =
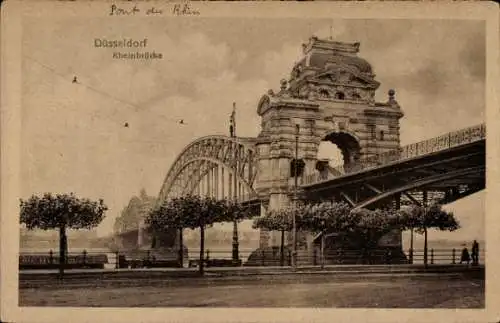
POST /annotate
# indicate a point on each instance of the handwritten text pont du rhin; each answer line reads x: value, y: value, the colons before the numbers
x: 177, y: 9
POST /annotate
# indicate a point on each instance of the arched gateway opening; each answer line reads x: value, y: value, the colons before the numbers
x: 337, y: 149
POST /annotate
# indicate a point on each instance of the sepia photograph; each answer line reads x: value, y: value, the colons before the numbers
x: 187, y: 155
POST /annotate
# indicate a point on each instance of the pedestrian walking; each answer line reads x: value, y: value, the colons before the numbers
x: 465, y: 256
x: 475, y: 253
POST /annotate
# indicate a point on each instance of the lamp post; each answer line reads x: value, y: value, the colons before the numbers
x: 375, y: 146
x: 294, y: 221
x: 424, y: 203
x: 235, y: 227
x: 411, y: 246
x: 323, y: 240
x: 232, y: 131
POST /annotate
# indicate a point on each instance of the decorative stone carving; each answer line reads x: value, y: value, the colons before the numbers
x: 264, y: 104
x: 335, y: 126
x: 297, y: 71
x: 303, y: 92
x: 312, y: 94
x: 324, y: 93
x: 345, y: 77
x: 392, y: 100
x: 283, y: 85
x: 275, y: 145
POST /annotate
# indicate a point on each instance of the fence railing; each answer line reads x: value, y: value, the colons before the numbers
x: 449, y: 140
x: 51, y: 259
x: 247, y: 258
x: 441, y: 256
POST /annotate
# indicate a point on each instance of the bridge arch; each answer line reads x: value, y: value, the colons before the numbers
x: 205, y: 164
x: 208, y: 154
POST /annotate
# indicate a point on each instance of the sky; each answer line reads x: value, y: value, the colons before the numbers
x: 73, y: 134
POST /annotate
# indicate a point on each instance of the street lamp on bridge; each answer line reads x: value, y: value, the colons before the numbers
x: 294, y: 221
x: 232, y: 132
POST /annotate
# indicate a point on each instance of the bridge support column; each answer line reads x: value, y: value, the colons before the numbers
x: 264, y: 234
x: 310, y: 247
x: 277, y: 201
x: 140, y: 234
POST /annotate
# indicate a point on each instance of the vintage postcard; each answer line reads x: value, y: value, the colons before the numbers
x: 249, y: 161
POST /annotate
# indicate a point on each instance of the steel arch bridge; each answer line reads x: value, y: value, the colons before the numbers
x: 448, y: 167
x: 442, y: 169
x: 217, y: 166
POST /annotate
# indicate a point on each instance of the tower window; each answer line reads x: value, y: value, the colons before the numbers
x: 381, y: 134
x: 371, y: 129
x: 324, y: 94
x: 339, y: 95
x: 356, y: 96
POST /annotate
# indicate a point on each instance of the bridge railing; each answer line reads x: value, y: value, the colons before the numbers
x: 449, y: 140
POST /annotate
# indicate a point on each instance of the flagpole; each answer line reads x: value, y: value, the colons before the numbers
x: 232, y: 130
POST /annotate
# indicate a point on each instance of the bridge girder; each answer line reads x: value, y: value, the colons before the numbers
x: 421, y: 183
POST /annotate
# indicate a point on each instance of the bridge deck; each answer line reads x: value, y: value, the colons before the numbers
x: 457, y: 171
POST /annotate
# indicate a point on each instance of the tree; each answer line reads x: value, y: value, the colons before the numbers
x: 276, y: 221
x: 369, y: 226
x: 362, y: 227
x: 61, y: 211
x: 194, y: 212
x: 282, y: 220
x: 366, y: 227
x: 234, y: 211
x: 422, y: 218
x: 321, y: 218
x: 325, y: 217
x: 165, y: 217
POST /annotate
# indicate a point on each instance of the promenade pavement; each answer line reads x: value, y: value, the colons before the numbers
x: 296, y: 289
x: 269, y: 269
x: 149, y: 276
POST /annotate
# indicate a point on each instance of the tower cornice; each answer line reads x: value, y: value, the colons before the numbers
x: 270, y: 101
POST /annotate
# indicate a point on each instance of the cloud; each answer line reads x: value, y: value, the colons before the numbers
x: 277, y: 65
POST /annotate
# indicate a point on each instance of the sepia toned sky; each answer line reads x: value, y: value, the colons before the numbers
x: 74, y: 139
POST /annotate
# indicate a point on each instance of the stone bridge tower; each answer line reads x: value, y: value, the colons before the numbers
x: 331, y: 97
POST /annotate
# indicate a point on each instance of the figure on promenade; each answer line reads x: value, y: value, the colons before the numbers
x: 388, y: 256
x: 475, y: 253
x: 465, y: 256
